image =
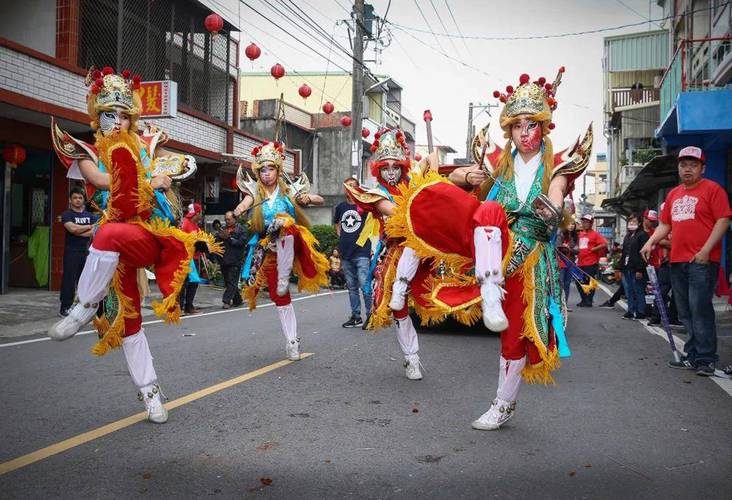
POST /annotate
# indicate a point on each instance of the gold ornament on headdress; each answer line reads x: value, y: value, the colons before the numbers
x: 389, y: 145
x: 112, y: 92
x: 269, y: 152
x: 536, y: 99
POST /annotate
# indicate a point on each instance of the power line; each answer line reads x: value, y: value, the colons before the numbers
x: 428, y: 25
x: 449, y: 9
x: 642, y: 16
x: 342, y: 7
x: 439, y: 18
x: 557, y: 35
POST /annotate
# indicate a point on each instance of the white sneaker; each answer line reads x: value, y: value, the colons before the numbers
x: 411, y: 366
x: 80, y: 315
x: 493, y: 316
x: 398, y: 294
x: 283, y: 285
x: 293, y: 350
x: 500, y: 412
x: 151, y: 396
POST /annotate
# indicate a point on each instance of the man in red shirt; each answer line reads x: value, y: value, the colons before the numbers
x: 591, y: 247
x: 190, y: 223
x: 698, y: 214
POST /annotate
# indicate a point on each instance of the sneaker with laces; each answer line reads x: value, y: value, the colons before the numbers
x: 151, y: 396
x: 725, y: 372
x: 683, y: 364
x: 499, y: 413
x: 607, y: 305
x: 705, y: 369
x: 628, y: 315
x: 293, y: 350
x: 353, y: 322
x: 411, y: 366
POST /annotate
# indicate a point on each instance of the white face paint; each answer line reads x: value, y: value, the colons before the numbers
x: 391, y: 173
x: 108, y: 120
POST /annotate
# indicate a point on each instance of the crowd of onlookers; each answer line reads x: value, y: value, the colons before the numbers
x: 683, y: 246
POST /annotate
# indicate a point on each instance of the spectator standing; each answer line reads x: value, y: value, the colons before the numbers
x: 591, y: 246
x: 355, y: 259
x: 335, y: 273
x: 78, y: 227
x: 190, y: 224
x: 567, y: 246
x: 698, y: 213
x: 635, y: 274
x: 234, y: 238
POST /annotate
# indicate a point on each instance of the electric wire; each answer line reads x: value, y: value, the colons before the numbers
x: 428, y: 25
x: 457, y: 26
x: 439, y: 18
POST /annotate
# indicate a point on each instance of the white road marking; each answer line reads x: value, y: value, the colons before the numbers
x: 152, y: 322
x: 725, y: 384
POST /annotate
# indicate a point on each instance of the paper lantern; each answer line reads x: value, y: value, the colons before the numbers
x: 328, y: 108
x: 346, y: 121
x: 277, y: 71
x: 304, y: 91
x: 14, y: 154
x: 252, y: 51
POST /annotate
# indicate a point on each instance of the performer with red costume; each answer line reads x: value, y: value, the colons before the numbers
x: 508, y: 235
x: 282, y: 243
x: 399, y: 266
x: 135, y: 230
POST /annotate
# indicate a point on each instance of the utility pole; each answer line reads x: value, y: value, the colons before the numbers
x: 470, y: 131
x: 357, y: 97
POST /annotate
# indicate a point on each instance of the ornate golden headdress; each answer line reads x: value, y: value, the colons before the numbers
x: 536, y: 99
x: 269, y: 152
x: 109, y: 91
x: 389, y: 145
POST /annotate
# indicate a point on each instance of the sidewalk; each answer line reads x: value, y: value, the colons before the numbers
x: 26, y: 311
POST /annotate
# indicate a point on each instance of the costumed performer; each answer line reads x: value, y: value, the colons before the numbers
x: 399, y: 271
x: 509, y: 235
x: 281, y: 243
x: 131, y: 172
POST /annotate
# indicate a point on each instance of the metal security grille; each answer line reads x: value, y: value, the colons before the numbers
x: 161, y: 40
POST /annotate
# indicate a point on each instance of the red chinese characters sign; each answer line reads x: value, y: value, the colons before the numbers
x: 159, y: 99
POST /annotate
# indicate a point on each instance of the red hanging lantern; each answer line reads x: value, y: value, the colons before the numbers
x: 346, y: 121
x: 213, y: 23
x: 14, y: 154
x: 277, y: 71
x: 365, y: 132
x: 418, y: 157
x: 304, y: 91
x: 252, y: 51
x: 328, y: 108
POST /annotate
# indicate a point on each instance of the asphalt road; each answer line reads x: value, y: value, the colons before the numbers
x: 345, y: 422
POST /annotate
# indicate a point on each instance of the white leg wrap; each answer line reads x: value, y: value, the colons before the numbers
x: 96, y: 275
x: 288, y: 322
x: 488, y: 254
x: 407, y: 336
x: 285, y: 256
x: 406, y: 269
x: 139, y: 360
x: 509, y: 380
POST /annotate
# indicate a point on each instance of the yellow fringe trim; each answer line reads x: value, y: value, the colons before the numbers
x: 101, y: 325
x: 112, y: 337
x: 399, y: 224
x: 381, y: 317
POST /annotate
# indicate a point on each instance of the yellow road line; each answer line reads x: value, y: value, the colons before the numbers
x: 85, y: 437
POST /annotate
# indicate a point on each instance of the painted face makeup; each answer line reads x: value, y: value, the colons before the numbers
x: 526, y: 135
x: 268, y: 175
x: 391, y: 173
x: 113, y: 121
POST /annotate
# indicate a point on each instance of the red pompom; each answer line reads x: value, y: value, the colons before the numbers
x: 95, y: 89
x: 502, y: 98
x: 96, y: 74
x: 561, y: 70
x: 509, y: 89
x: 542, y: 80
x: 551, y: 126
x: 377, y: 135
x: 524, y: 79
x: 126, y: 73
x: 548, y: 86
x: 99, y: 82
x: 374, y: 147
x: 136, y: 85
x: 107, y: 70
x: 496, y: 94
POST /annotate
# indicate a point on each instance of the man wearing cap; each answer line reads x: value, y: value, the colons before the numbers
x: 190, y: 224
x: 591, y: 246
x: 698, y: 213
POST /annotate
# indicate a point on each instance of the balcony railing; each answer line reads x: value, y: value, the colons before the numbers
x: 625, y: 99
x: 689, y: 70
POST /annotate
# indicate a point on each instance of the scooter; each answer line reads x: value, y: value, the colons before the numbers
x: 607, y: 272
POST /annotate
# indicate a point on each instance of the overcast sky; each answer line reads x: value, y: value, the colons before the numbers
x: 431, y: 80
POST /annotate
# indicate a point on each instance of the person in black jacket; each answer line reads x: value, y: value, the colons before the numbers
x: 234, y: 237
x: 635, y: 270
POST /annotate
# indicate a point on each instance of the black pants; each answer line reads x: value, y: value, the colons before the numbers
x: 592, y: 271
x: 187, y: 294
x: 618, y: 294
x: 231, y: 282
x: 664, y: 283
x: 74, y: 260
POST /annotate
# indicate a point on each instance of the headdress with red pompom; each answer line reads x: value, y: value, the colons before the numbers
x: 268, y: 152
x: 537, y: 99
x: 109, y: 91
x: 389, y: 145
